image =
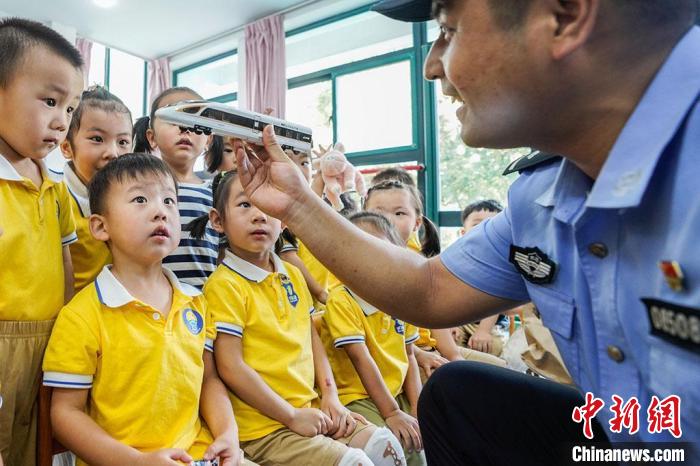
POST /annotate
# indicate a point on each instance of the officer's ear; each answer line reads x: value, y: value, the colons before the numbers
x: 571, y: 24
x: 99, y: 228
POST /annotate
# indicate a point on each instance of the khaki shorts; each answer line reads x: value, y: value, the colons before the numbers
x: 286, y: 448
x: 369, y: 410
x: 22, y: 345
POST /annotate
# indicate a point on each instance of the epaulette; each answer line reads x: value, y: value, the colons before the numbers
x: 530, y: 160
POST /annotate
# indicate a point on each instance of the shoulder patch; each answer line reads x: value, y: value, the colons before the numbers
x: 530, y: 160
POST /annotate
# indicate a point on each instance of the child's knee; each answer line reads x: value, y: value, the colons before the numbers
x: 384, y: 449
x: 355, y: 457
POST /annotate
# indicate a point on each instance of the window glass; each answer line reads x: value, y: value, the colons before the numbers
x: 126, y: 80
x: 374, y: 108
x: 96, y: 74
x: 312, y: 106
x: 214, y: 79
x: 351, y: 39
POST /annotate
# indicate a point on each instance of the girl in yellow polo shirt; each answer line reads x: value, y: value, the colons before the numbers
x: 371, y: 354
x: 269, y: 354
x: 100, y: 131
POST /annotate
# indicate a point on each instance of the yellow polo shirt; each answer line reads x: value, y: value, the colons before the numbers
x: 88, y: 254
x: 36, y: 223
x: 350, y: 319
x: 144, y: 371
x: 413, y: 242
x: 270, y: 313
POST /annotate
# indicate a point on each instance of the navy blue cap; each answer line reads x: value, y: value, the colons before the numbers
x: 405, y: 10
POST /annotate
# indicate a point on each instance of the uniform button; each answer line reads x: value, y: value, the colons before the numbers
x: 616, y: 353
x: 598, y: 249
x: 156, y: 316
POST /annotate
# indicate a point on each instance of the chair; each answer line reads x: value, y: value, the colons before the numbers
x: 47, y: 446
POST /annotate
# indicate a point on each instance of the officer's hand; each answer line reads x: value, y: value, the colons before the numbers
x: 271, y: 180
x: 481, y: 341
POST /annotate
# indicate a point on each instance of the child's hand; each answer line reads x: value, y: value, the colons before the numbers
x: 167, y: 457
x: 429, y: 360
x: 344, y: 421
x: 481, y: 341
x: 227, y: 449
x: 405, y: 428
x: 310, y: 422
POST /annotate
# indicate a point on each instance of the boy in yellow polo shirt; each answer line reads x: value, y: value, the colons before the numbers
x: 371, y: 355
x: 269, y: 354
x: 130, y: 356
x: 40, y: 84
x: 100, y: 131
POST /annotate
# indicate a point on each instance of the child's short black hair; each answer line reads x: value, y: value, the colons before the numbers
x: 393, y: 174
x: 96, y: 97
x: 18, y: 35
x: 489, y: 205
x: 126, y: 167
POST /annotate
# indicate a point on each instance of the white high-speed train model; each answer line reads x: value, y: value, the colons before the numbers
x: 212, y: 117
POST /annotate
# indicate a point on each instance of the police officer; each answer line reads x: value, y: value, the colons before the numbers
x: 604, y: 239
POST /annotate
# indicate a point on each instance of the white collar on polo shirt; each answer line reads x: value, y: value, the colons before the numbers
x: 250, y: 271
x: 113, y: 294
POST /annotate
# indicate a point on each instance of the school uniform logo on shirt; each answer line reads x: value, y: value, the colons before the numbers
x: 399, y: 326
x: 292, y: 295
x: 193, y: 320
x: 532, y: 264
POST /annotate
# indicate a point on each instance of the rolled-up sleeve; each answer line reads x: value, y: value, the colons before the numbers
x: 480, y: 259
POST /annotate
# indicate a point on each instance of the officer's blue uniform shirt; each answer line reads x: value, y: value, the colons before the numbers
x: 600, y: 244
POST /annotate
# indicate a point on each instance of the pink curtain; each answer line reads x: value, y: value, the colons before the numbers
x: 84, y: 46
x: 265, y: 68
x: 158, y: 77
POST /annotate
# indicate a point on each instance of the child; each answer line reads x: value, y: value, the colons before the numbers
x: 402, y: 205
x: 488, y: 335
x: 401, y: 175
x: 220, y: 157
x: 130, y: 356
x: 100, y: 131
x: 269, y: 354
x: 372, y: 355
x: 194, y: 259
x: 292, y: 250
x: 40, y: 86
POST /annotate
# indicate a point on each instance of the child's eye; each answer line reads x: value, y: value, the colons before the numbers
x: 305, y: 163
x: 50, y: 102
x: 169, y: 201
x: 228, y: 150
x: 400, y: 213
x: 139, y: 200
x: 96, y: 139
x: 124, y: 142
x: 70, y: 110
x: 245, y: 205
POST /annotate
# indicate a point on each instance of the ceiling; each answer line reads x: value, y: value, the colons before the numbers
x: 147, y: 28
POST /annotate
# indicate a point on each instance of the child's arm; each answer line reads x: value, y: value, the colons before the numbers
x: 68, y: 279
x: 317, y: 291
x: 343, y: 420
x: 446, y: 345
x: 482, y: 340
x: 80, y: 434
x: 252, y: 389
x: 404, y: 426
x: 412, y: 384
x: 216, y: 410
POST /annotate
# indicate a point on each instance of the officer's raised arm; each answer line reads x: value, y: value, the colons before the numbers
x: 418, y: 290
